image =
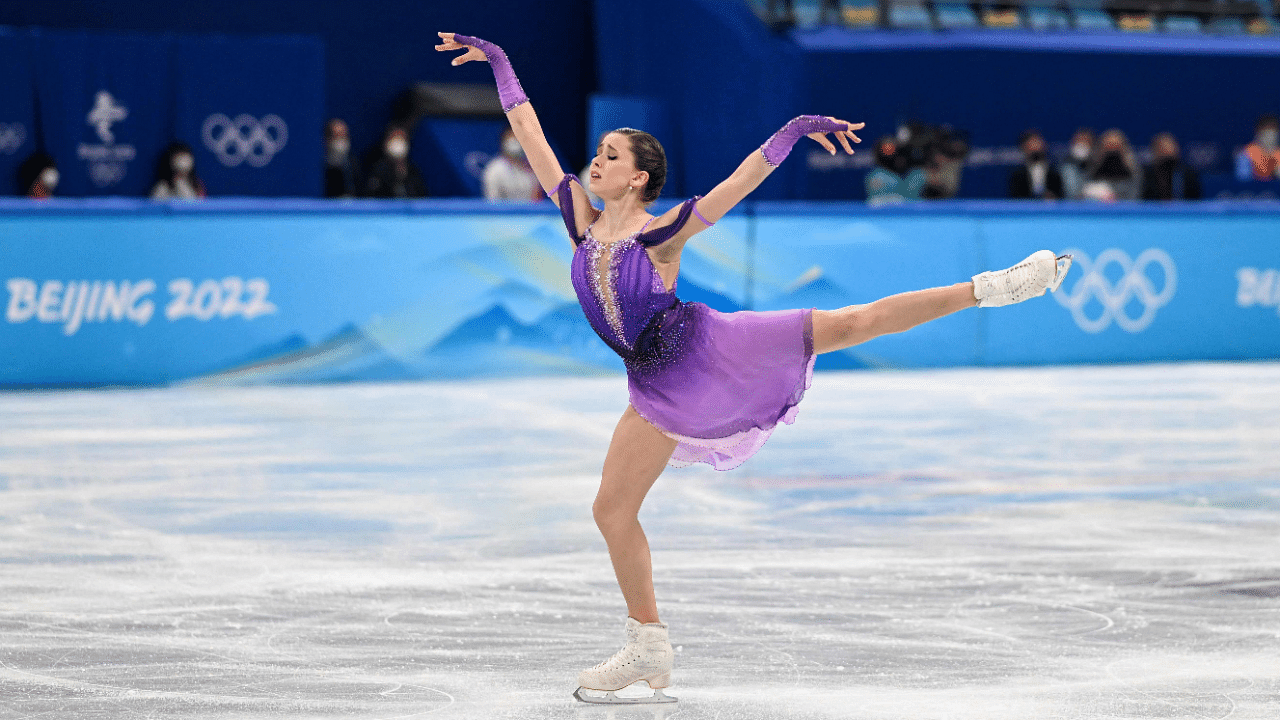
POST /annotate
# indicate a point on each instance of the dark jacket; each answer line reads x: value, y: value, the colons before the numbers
x: 1020, y: 183
x: 385, y: 182
x: 1170, y: 182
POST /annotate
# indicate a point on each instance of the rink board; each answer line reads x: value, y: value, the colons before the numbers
x: 128, y: 292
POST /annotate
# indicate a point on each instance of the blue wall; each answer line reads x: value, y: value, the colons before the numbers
x: 133, y: 292
x: 373, y: 51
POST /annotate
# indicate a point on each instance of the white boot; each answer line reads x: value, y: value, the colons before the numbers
x: 646, y: 656
x: 1028, y: 279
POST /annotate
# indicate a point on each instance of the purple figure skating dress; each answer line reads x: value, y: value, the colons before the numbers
x: 718, y: 383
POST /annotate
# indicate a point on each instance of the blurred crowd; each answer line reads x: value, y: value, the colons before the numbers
x: 920, y: 162
x: 924, y: 162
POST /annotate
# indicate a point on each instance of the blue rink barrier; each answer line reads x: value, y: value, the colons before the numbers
x: 121, y: 292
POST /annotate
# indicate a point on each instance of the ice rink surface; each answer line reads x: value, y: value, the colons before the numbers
x: 1061, y: 543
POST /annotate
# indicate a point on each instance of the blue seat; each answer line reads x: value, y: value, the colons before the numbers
x: 1180, y: 24
x: 808, y: 13
x: 1044, y: 18
x: 954, y: 15
x: 910, y: 16
x: 1228, y: 26
x: 1086, y: 19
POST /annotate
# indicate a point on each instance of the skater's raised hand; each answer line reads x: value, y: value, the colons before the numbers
x: 843, y: 135
x: 448, y: 42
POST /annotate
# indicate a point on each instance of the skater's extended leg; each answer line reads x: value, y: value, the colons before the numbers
x: 849, y: 326
x: 637, y: 455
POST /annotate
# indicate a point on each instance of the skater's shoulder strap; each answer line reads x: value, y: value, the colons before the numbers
x: 564, y: 198
x: 659, y: 235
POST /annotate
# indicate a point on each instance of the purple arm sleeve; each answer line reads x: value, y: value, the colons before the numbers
x: 509, y: 90
x: 776, y: 148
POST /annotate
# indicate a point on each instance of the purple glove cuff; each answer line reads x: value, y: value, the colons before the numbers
x: 776, y: 148
x: 509, y: 90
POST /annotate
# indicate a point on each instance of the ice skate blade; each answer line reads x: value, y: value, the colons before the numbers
x: 610, y: 697
x: 1064, y: 264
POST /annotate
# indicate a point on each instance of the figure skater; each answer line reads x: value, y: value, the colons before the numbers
x: 704, y: 386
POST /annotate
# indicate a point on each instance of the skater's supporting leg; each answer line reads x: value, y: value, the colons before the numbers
x: 637, y: 455
x: 849, y: 326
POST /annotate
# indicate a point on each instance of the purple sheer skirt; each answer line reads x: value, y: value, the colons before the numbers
x: 737, y: 376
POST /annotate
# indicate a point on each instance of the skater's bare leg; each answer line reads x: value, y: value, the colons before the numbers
x: 637, y: 455
x: 849, y: 326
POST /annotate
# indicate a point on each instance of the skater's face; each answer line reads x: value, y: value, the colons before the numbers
x: 613, y: 170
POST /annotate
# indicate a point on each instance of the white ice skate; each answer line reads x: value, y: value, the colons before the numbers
x: 647, y: 656
x: 1029, y: 278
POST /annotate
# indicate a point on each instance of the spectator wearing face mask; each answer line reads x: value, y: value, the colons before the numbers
x: 1260, y: 159
x: 508, y: 176
x: 340, y: 180
x: 893, y: 181
x: 1113, y: 172
x: 38, y: 176
x: 176, y: 175
x: 1166, y: 178
x: 1035, y: 178
x: 1073, y: 167
x: 393, y: 175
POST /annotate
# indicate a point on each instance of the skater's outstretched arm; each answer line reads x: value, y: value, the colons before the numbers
x: 756, y: 168
x: 524, y: 121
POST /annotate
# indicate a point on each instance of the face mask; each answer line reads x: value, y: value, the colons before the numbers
x: 339, y: 146
x: 1079, y: 151
x: 1267, y: 138
x: 398, y: 148
x: 182, y: 164
x: 49, y: 178
x: 511, y: 147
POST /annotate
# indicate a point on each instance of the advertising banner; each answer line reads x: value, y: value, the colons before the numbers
x: 105, y: 104
x: 119, y: 292
x: 253, y: 111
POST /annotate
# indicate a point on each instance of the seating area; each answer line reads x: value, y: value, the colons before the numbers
x: 1186, y: 17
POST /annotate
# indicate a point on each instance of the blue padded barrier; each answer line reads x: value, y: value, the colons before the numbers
x: 108, y: 292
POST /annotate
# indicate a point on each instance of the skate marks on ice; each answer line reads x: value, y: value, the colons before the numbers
x: 981, y: 544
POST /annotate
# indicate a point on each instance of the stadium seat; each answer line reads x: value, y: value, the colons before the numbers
x: 860, y: 13
x: 954, y: 15
x: 1261, y: 26
x: 913, y: 16
x: 1136, y: 22
x: 808, y: 13
x: 1046, y: 18
x: 1227, y: 26
x: 1180, y: 24
x: 1086, y: 19
x: 1001, y: 18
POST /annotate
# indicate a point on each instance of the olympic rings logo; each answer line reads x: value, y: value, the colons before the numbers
x: 1134, y: 284
x: 12, y: 136
x: 245, y: 139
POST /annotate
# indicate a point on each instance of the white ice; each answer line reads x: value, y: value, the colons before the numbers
x: 1071, y: 543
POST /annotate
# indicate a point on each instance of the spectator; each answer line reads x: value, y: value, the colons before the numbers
x: 1035, y: 177
x: 1113, y: 172
x: 886, y: 183
x: 393, y: 175
x: 1167, y: 178
x: 508, y: 176
x: 38, y: 175
x: 340, y: 180
x: 176, y: 175
x: 1260, y: 159
x: 1072, y: 169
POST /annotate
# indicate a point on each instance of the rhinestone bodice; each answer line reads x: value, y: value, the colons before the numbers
x: 621, y: 294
